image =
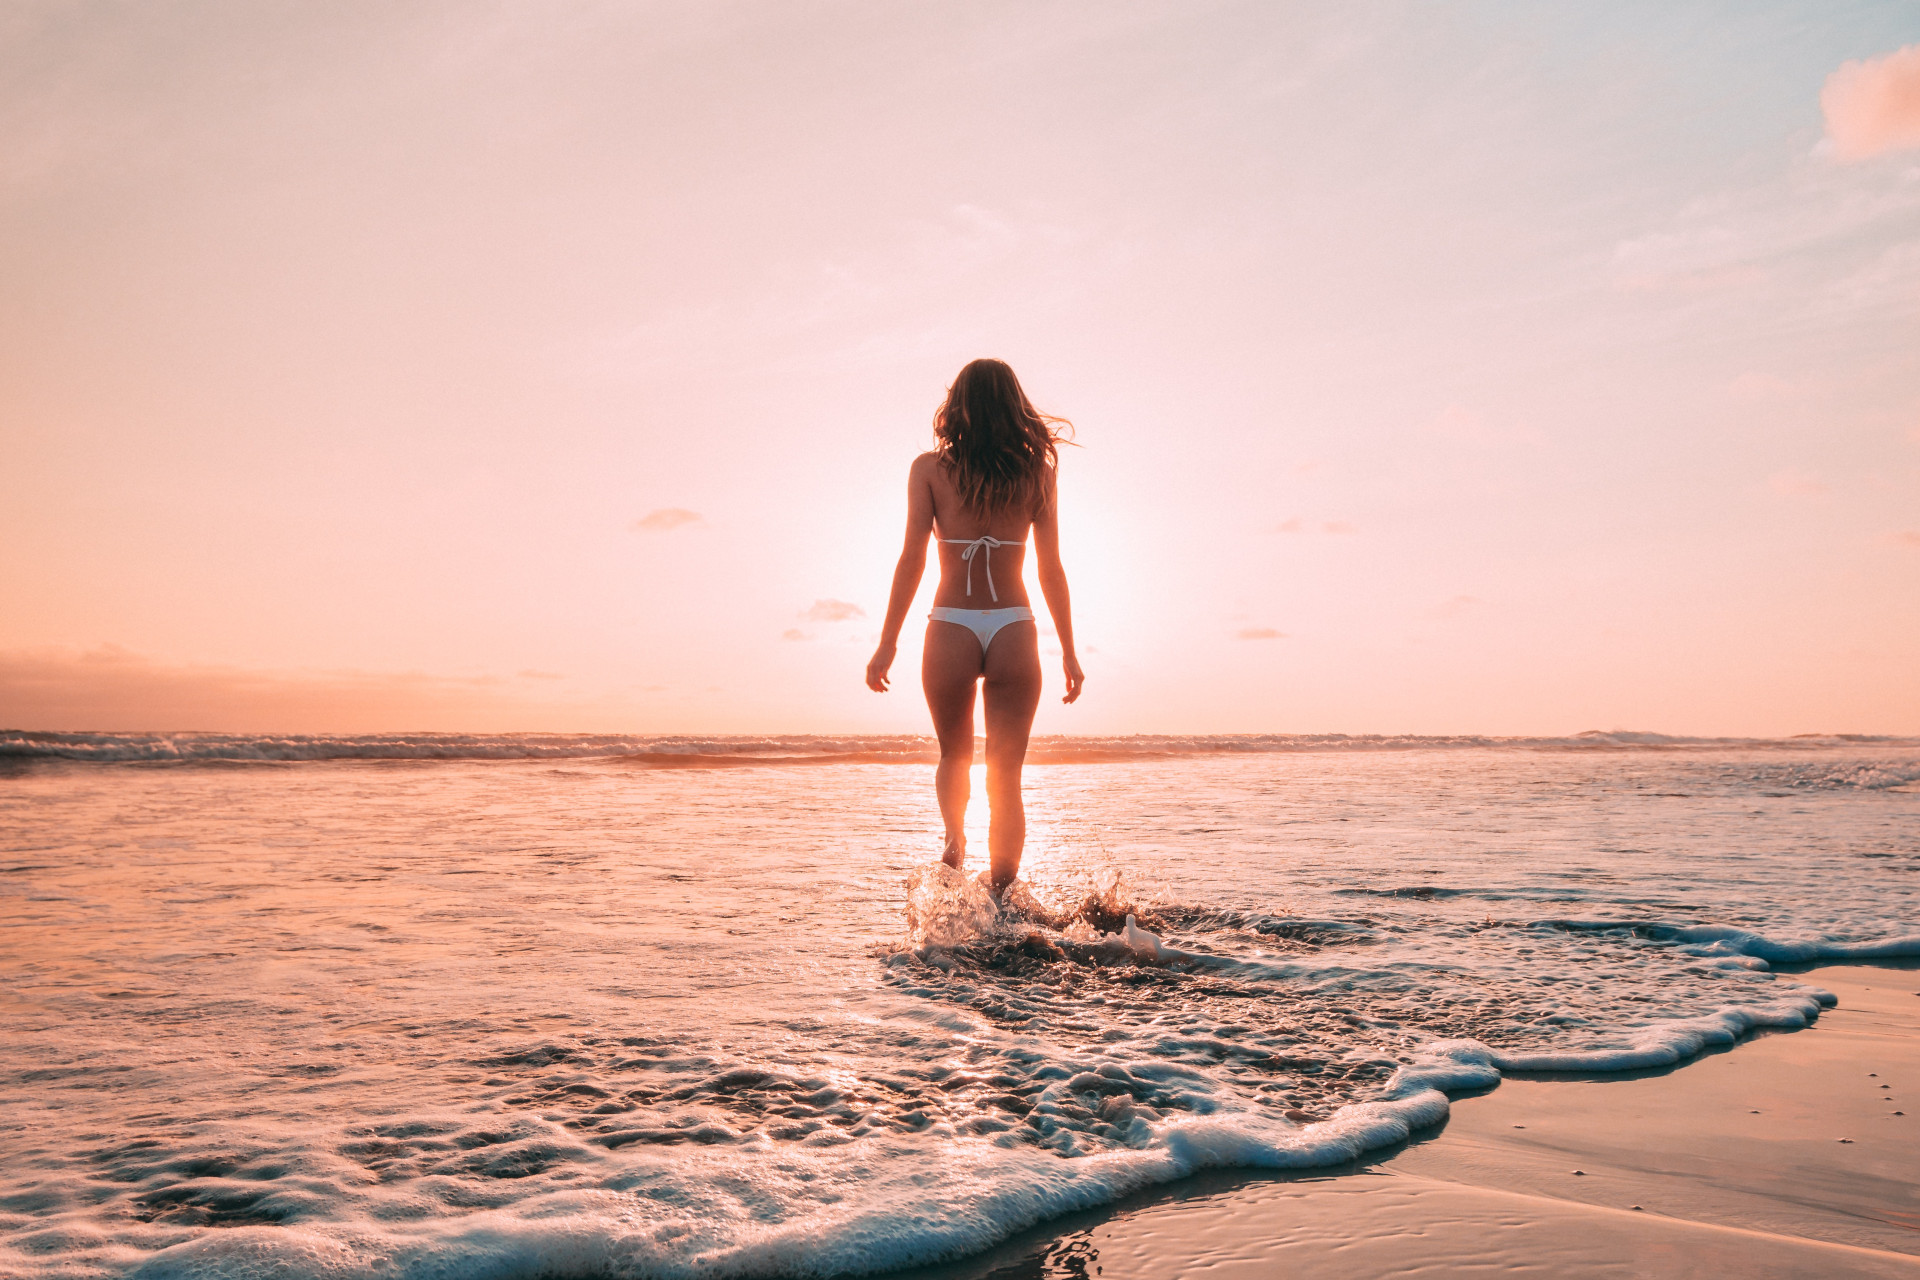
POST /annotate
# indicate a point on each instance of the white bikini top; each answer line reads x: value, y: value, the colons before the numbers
x: 982, y: 544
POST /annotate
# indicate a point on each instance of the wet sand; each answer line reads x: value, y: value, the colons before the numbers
x: 1733, y: 1164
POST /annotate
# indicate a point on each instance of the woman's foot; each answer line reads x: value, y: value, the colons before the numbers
x: 955, y: 855
x: 997, y: 893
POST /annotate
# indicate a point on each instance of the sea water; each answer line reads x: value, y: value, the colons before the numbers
x: 562, y: 1006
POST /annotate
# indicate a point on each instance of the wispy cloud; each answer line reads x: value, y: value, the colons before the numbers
x: 794, y: 633
x: 1758, y: 385
x: 1798, y: 484
x: 1873, y: 105
x: 1259, y: 633
x: 661, y: 519
x: 531, y: 674
x: 844, y: 307
x: 1453, y: 607
x: 1905, y: 538
x: 833, y: 611
x: 1836, y: 240
x: 1469, y: 426
x: 1294, y: 524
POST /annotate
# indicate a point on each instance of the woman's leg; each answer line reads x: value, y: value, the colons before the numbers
x: 1013, y: 694
x: 949, y: 666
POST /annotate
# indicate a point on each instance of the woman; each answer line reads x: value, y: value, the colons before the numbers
x: 991, y: 477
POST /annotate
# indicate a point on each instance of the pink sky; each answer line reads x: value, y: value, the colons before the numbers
x: 1493, y: 368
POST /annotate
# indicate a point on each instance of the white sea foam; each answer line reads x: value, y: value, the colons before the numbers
x: 498, y: 1018
x: 1145, y: 944
x: 1725, y: 940
x: 922, y: 1207
x: 1671, y: 1040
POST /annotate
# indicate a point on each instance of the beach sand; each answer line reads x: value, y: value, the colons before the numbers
x: 1735, y: 1161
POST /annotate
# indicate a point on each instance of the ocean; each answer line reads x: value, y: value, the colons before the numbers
x: 547, y: 1005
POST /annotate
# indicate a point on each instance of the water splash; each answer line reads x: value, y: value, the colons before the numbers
x: 946, y: 907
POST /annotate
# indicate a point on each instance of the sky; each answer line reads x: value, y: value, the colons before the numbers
x: 1471, y: 368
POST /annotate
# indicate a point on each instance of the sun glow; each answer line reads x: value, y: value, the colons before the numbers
x: 1380, y: 432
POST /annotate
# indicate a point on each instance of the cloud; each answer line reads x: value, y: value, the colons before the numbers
x: 804, y: 312
x: 112, y: 690
x: 833, y: 611
x: 531, y: 674
x: 1798, y: 484
x: 1454, y: 607
x: 1873, y: 105
x: 794, y: 633
x: 1466, y: 426
x: 1757, y: 385
x: 1459, y: 423
x: 1294, y: 524
x: 664, y: 518
x: 1905, y: 538
x: 1260, y: 633
x: 1828, y: 243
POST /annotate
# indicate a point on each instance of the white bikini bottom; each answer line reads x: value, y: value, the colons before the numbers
x: 984, y: 623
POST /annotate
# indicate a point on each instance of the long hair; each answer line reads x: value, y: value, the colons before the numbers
x: 999, y: 448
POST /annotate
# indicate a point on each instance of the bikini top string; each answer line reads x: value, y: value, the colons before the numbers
x: 976, y: 544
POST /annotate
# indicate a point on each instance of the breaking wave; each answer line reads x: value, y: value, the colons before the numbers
x: 671, y: 751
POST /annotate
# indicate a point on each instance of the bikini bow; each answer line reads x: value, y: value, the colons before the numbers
x: 977, y: 544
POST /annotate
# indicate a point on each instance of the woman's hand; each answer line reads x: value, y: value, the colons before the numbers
x: 877, y: 668
x: 1075, y: 677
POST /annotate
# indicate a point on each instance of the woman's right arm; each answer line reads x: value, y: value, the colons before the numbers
x: 906, y: 574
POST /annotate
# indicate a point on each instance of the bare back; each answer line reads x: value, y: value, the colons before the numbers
x: 954, y: 524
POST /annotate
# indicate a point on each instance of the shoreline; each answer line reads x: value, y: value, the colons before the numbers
x: 1676, y: 1174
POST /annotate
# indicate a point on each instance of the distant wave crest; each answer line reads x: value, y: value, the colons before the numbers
x: 681, y: 751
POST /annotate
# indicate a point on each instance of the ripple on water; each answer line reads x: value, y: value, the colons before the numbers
x: 421, y: 1019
